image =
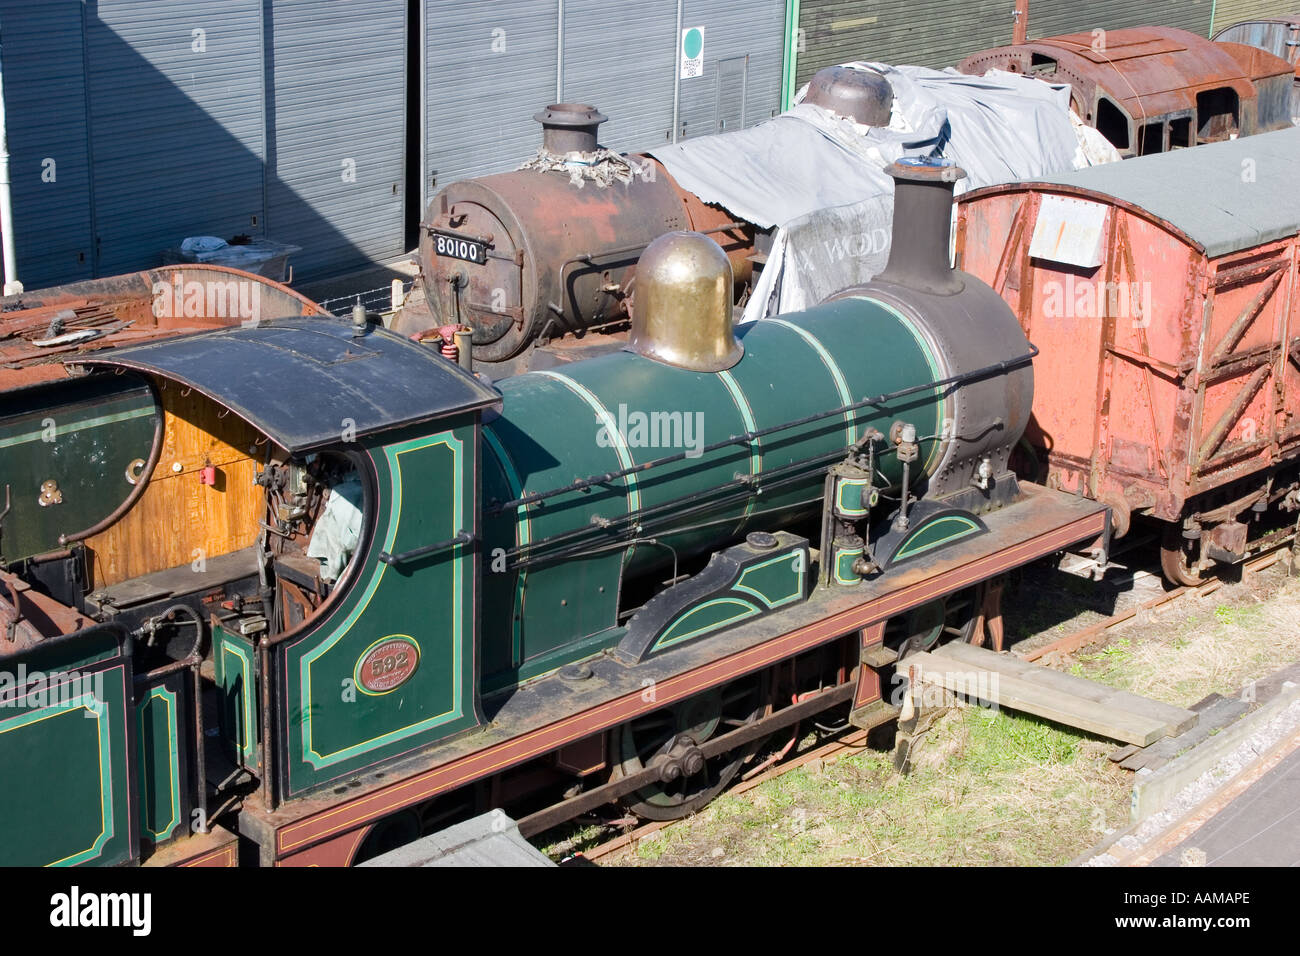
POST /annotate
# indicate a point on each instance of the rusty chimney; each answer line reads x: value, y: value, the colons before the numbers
x: 569, y: 127
x: 918, y: 252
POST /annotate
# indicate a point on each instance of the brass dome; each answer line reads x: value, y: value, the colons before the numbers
x: 681, y: 310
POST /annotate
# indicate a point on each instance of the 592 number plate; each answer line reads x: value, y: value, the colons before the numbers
x: 454, y: 247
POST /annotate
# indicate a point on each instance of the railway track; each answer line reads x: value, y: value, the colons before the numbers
x: 848, y: 741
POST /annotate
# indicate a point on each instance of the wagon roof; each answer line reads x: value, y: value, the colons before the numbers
x: 1222, y: 197
x: 305, y: 382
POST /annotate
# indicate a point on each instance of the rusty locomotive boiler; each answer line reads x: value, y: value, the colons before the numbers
x: 551, y: 249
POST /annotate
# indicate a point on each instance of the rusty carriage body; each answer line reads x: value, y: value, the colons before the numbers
x: 1162, y: 293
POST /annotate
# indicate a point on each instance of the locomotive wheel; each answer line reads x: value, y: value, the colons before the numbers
x: 667, y: 738
x: 1175, y: 561
x: 950, y: 618
x: 389, y: 834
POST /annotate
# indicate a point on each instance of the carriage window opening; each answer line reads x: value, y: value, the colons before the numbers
x: 1112, y: 122
x: 1217, y: 113
x: 1180, y: 132
x: 1151, y: 139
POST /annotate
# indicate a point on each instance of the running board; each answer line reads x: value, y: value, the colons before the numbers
x: 980, y: 674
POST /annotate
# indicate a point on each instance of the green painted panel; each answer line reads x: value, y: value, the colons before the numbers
x: 777, y: 581
x: 81, y: 434
x: 64, y: 749
x: 235, y: 666
x: 158, y: 745
x: 428, y: 488
x: 703, y: 618
x: 938, y: 532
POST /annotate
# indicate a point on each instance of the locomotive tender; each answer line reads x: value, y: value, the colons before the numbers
x: 433, y: 594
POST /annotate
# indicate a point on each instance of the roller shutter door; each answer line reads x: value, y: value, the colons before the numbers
x: 744, y: 47
x: 176, y: 125
x: 623, y: 64
x: 489, y: 66
x: 940, y: 33
x: 49, y: 166
x: 335, y: 89
x: 1228, y: 12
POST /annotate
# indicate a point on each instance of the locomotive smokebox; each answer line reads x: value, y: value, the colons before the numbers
x: 569, y: 127
x: 681, y: 314
x: 863, y: 96
x: 918, y: 254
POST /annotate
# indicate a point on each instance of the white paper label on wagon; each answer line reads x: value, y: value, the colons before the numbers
x: 1069, y: 231
x: 692, y: 53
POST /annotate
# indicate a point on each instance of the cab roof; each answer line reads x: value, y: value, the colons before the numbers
x: 305, y: 381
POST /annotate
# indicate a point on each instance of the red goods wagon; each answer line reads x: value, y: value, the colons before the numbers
x: 1163, y: 295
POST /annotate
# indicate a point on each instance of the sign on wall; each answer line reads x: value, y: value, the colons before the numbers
x: 692, y: 52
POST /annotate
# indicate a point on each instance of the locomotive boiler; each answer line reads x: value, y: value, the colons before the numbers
x: 607, y: 582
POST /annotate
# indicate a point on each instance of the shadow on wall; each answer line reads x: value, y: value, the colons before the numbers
x: 136, y: 123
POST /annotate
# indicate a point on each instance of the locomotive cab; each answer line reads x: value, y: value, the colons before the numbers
x: 265, y: 551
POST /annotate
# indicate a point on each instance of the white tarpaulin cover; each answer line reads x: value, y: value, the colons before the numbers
x: 820, y: 178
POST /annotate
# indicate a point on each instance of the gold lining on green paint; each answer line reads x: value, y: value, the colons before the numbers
x: 932, y: 362
x: 666, y: 641
x: 392, y: 454
x: 906, y: 552
x: 99, y: 708
x: 618, y: 442
x: 173, y: 756
x: 840, y: 556
x: 523, y: 538
x: 797, y: 554
x: 837, y: 374
x: 78, y: 426
x: 247, y: 747
x: 755, y: 445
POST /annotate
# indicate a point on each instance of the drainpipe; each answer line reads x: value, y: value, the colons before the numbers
x: 559, y: 53
x: 11, y: 285
x: 1021, y: 30
x: 788, y: 87
x: 677, y: 69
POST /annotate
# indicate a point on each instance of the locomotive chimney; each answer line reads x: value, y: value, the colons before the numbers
x: 918, y: 253
x: 569, y: 127
x: 863, y: 96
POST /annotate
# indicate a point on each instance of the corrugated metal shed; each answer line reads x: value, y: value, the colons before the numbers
x: 1053, y: 17
x: 41, y: 55
x: 336, y: 88
x: 492, y: 839
x: 176, y: 125
x: 488, y: 68
x: 635, y: 92
x: 1245, y: 198
x: 939, y: 33
x: 743, y: 59
x: 1228, y: 12
x: 620, y: 55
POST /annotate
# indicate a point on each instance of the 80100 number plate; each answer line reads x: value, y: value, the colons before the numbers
x: 469, y: 250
